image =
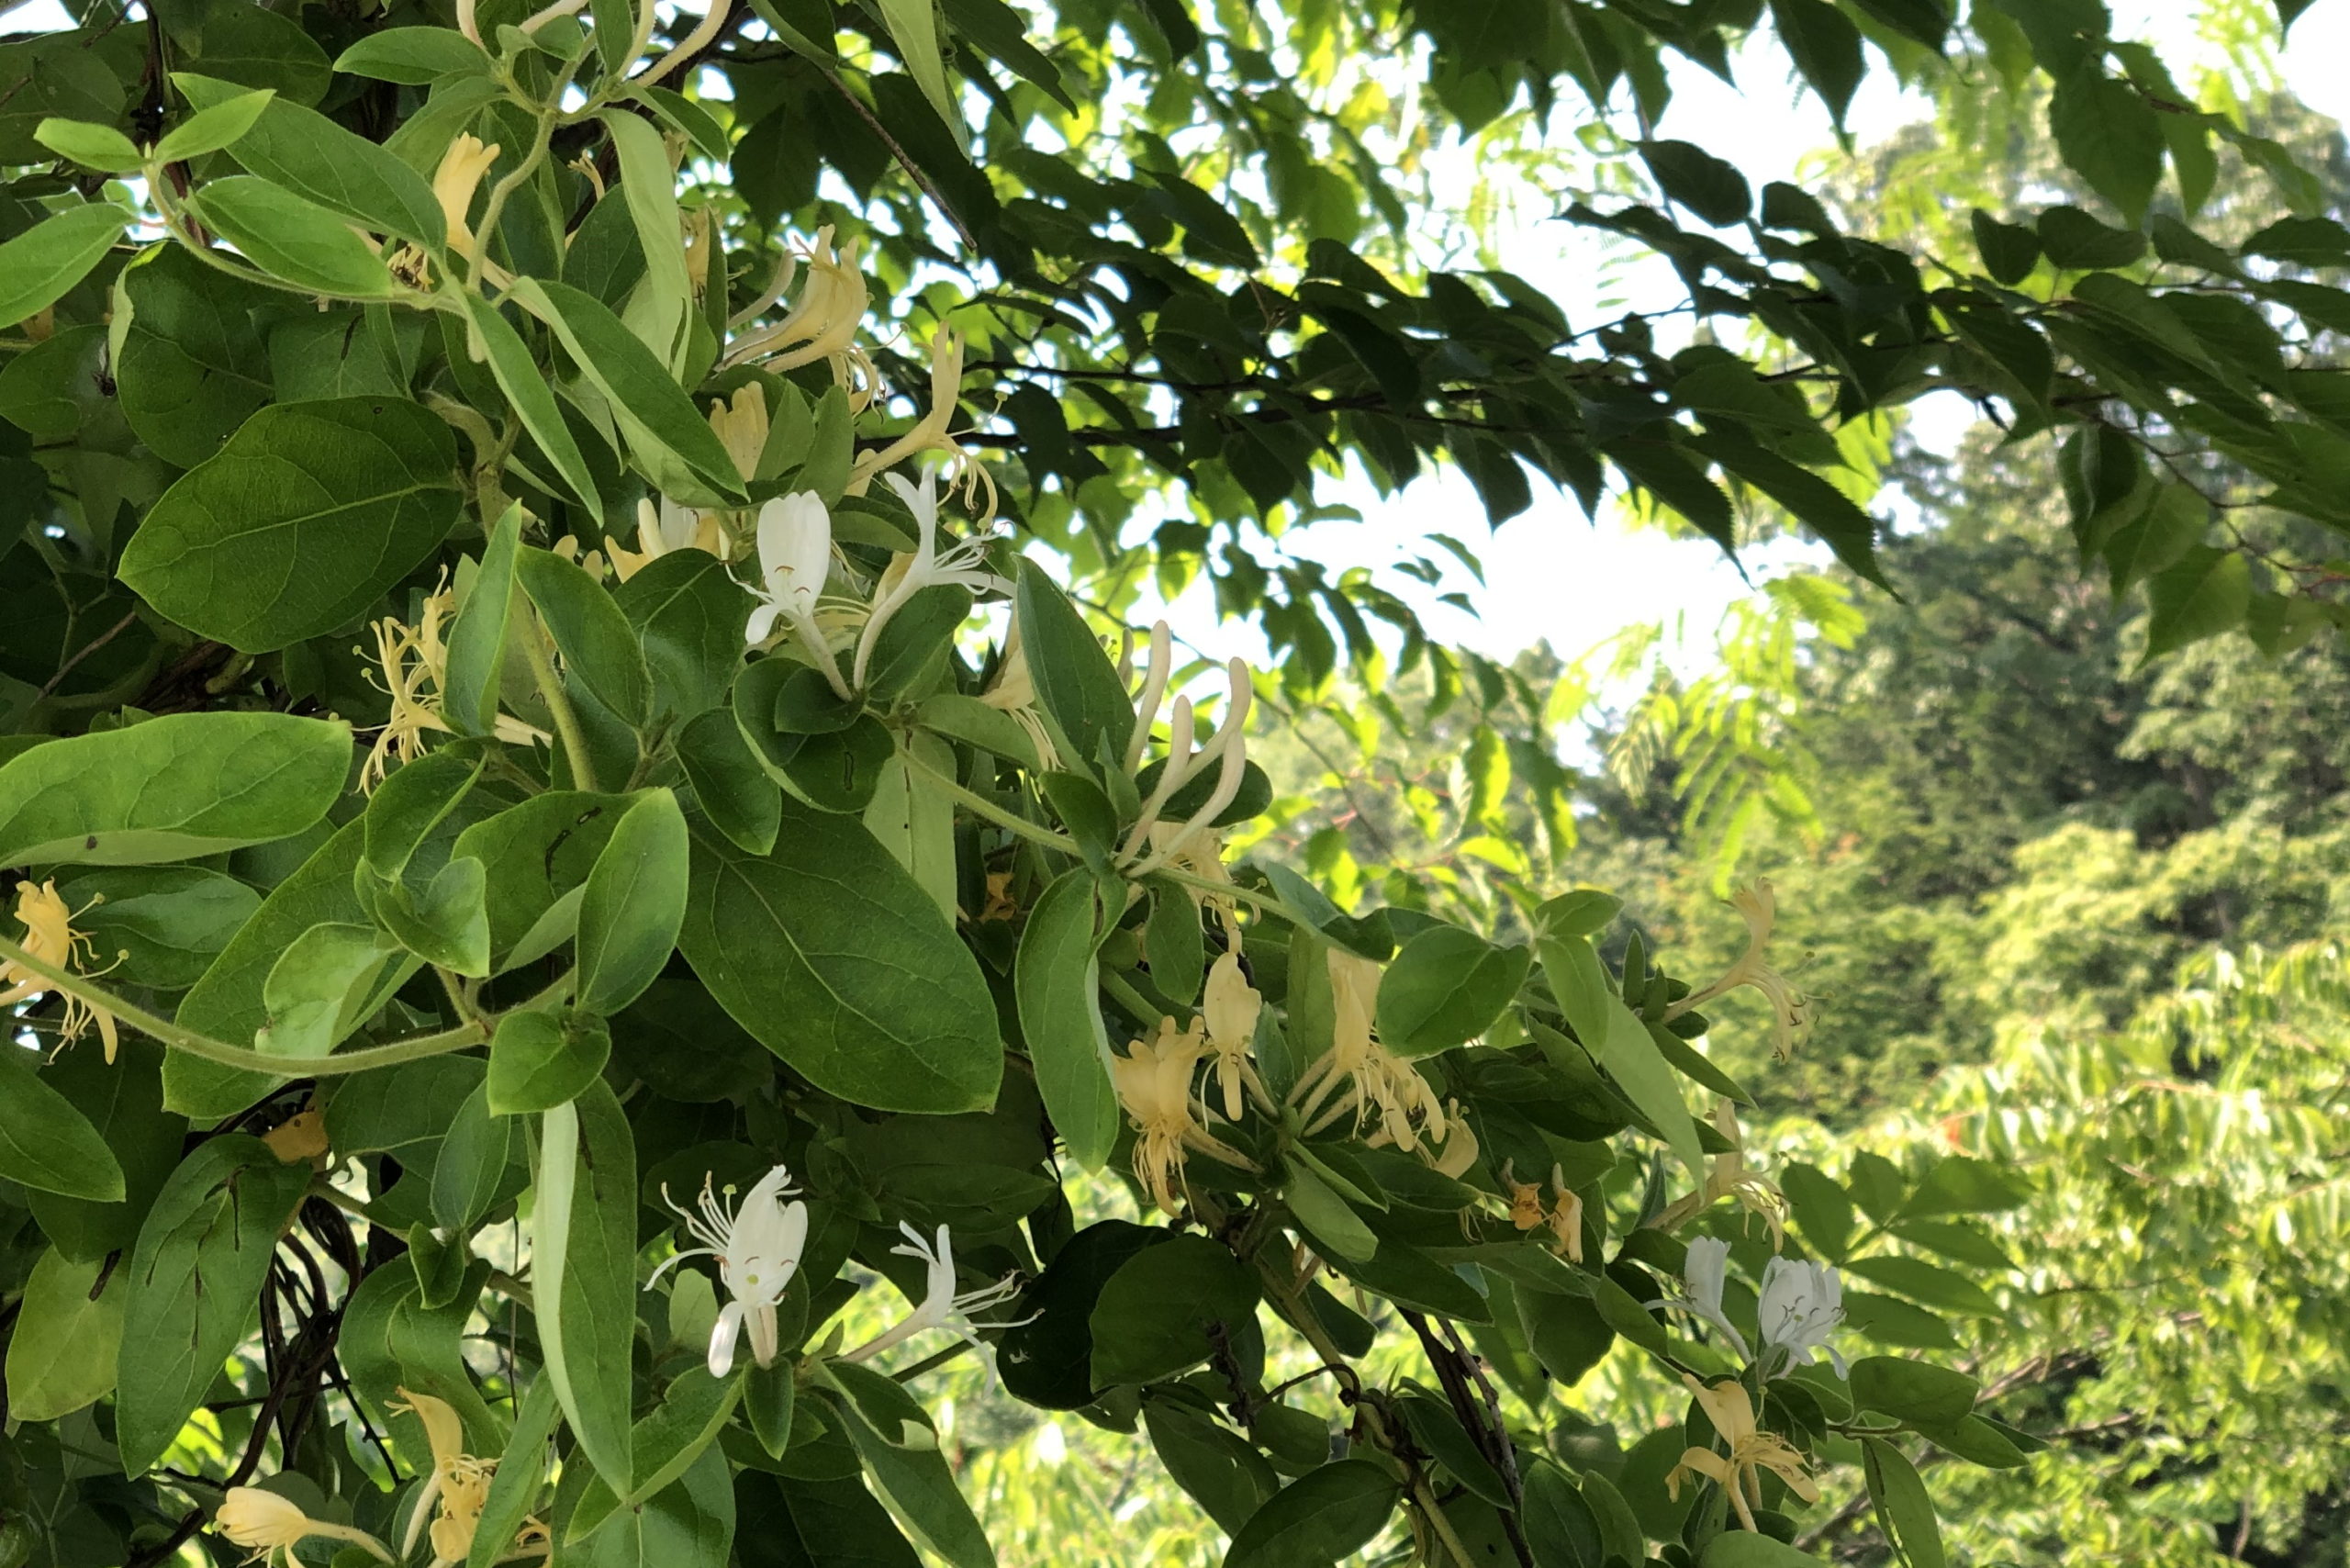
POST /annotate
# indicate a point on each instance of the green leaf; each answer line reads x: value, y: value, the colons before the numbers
x: 894, y: 1437
x: 1891, y: 1322
x: 1056, y: 982
x: 2110, y: 136
x: 537, y: 856
x: 1825, y: 47
x: 90, y: 144
x: 1921, y: 21
x: 123, y: 1100
x: 37, y: 266
x: 193, y: 364
x: 515, y: 1486
x: 1814, y: 502
x: 171, y: 788
x: 300, y: 523
x: 317, y: 990
x: 295, y: 240
x: 161, y: 927
x: 538, y: 1061
x: 414, y: 55
x: 526, y: 386
x: 1623, y: 1046
x: 584, y: 1269
x: 649, y: 190
x: 1695, y: 179
x: 46, y: 1144
x: 688, y: 614
x: 665, y: 430
x: 1927, y: 1283
x: 2205, y: 593
x: 1326, y: 1515
x: 214, y: 125
x: 1960, y: 1184
x: 256, y: 48
x: 195, y: 1283
x: 1903, y: 1508
x: 689, y: 1524
x: 1221, y: 1471
x: 472, y: 1164
x: 68, y: 1332
x: 2010, y: 251
x: 1447, y: 987
x: 1334, y: 1227
x: 833, y: 957
x: 914, y: 28
x: 914, y: 646
x: 1752, y: 1549
x: 1047, y: 1357
x: 1074, y: 679
x: 2171, y: 524
x: 312, y: 156
x: 598, y: 644
x: 633, y: 905
x: 476, y: 650
x: 2073, y: 239
x: 1168, y: 1308
x: 733, y: 790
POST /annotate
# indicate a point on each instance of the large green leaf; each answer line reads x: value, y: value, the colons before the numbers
x: 193, y: 361
x: 294, y: 239
x: 1619, y: 1042
x: 895, y: 1438
x: 314, y: 157
x: 1056, y: 982
x: 2111, y: 135
x: 1445, y: 987
x: 634, y: 902
x: 300, y: 523
x: 1324, y: 1516
x: 584, y: 1233
x: 170, y: 789
x: 37, y: 266
x: 1169, y: 1308
x: 46, y: 1144
x: 834, y: 958
x: 195, y: 1278
x: 68, y: 1332
x: 1074, y: 679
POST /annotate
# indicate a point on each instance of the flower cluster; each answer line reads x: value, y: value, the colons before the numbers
x: 414, y: 661
x: 50, y: 937
x: 1801, y: 1307
x: 1790, y: 1009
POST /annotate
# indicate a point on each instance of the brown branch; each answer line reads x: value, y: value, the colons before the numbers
x: 905, y: 160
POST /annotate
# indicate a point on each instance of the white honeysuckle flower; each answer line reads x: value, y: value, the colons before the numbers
x: 1803, y: 1305
x: 962, y: 564
x: 1702, y: 1277
x: 757, y: 1245
x: 795, y: 555
x: 940, y: 1306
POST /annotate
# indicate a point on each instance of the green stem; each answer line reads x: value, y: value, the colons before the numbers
x: 566, y: 722
x: 506, y: 187
x: 980, y: 805
x: 413, y: 1048
x: 1131, y: 1000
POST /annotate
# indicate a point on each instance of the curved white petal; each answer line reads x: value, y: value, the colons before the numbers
x: 722, y: 1338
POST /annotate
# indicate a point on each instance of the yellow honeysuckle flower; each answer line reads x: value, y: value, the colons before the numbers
x: 271, y: 1525
x: 1154, y: 1083
x: 1563, y: 1217
x: 741, y: 425
x: 50, y: 937
x: 1378, y: 1083
x: 1013, y: 694
x: 1728, y: 1177
x: 1790, y: 1009
x: 415, y: 664
x: 459, y: 1483
x: 822, y: 326
x: 932, y: 433
x: 1751, y: 1450
x: 454, y: 181
x: 1230, y: 1010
